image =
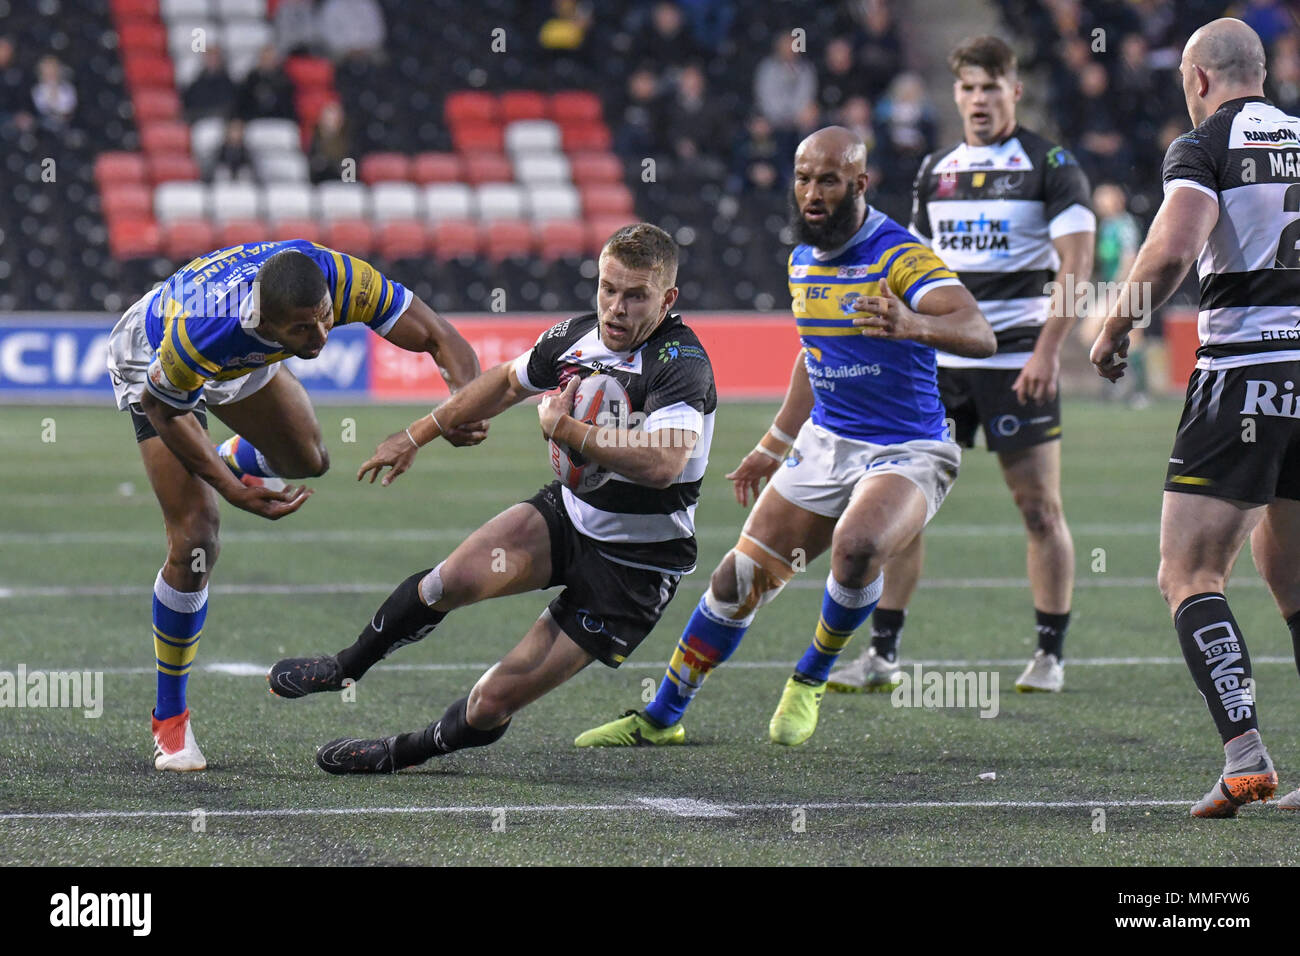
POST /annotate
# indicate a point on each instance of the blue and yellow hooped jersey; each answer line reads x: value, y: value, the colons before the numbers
x: 868, y: 389
x: 198, y: 320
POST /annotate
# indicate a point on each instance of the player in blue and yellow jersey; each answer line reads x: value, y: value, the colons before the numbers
x: 871, y: 463
x: 213, y: 337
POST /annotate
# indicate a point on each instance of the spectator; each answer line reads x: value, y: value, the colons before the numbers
x: 638, y: 135
x: 907, y: 124
x: 1267, y: 18
x: 710, y: 21
x: 566, y: 29
x: 13, y: 88
x: 1283, y: 80
x: 758, y: 160
x: 694, y: 124
x: 880, y: 54
x: 856, y: 116
x: 1102, y: 149
x: 667, y: 43
x: 53, y: 96
x: 838, y: 78
x: 331, y: 143
x: 295, y: 28
x: 232, y: 163
x: 212, y: 93
x: 266, y: 91
x: 785, y: 86
x: 351, y: 28
x: 1118, y: 238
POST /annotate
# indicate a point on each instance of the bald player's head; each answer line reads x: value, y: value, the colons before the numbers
x: 1222, y: 60
x: 830, y: 182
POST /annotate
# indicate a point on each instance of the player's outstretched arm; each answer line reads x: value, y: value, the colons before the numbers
x: 186, y: 439
x: 948, y: 319
x: 420, y: 329
x: 761, y: 463
x: 1179, y: 232
x: 485, y: 397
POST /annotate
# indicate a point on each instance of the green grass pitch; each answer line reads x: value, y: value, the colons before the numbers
x: 81, y: 540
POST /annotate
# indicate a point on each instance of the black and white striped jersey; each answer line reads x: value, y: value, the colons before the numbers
x: 669, y: 382
x: 991, y: 213
x: 1246, y: 156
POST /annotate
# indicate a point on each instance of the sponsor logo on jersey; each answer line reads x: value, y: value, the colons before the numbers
x: 947, y: 185
x: 252, y: 358
x: 852, y: 272
x: 982, y: 234
x: 1263, y: 398
x: 798, y: 272
x: 1271, y: 137
x: 1059, y: 156
x: 977, y: 181
x: 559, y: 329
x: 1004, y: 184
x: 671, y: 350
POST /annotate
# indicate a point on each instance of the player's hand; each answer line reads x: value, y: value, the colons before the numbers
x: 467, y: 433
x: 884, y: 316
x: 556, y: 405
x: 1037, y: 381
x: 1108, y: 353
x: 396, y: 452
x: 269, y: 504
x: 749, y: 475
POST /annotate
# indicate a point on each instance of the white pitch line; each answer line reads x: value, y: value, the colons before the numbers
x: 641, y: 805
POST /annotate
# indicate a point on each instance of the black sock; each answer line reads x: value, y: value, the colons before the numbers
x: 1216, y: 655
x: 1051, y: 632
x: 1293, y: 625
x: 886, y: 629
x: 450, y: 732
x: 403, y: 619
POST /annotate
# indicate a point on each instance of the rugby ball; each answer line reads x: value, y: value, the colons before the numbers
x: 600, y: 400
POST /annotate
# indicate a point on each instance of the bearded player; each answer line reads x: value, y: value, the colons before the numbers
x: 866, y: 471
x: 619, y: 550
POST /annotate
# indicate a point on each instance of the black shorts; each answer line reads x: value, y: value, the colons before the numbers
x: 606, y: 608
x: 1239, y: 436
x: 983, y: 396
x: 144, y: 428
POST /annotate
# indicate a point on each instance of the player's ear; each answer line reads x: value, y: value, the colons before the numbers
x: 1202, y: 81
x: 1017, y: 92
x: 670, y: 297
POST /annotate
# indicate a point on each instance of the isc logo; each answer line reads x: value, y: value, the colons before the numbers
x: 818, y: 291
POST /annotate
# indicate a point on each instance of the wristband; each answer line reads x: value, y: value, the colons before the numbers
x: 590, y: 429
x: 412, y: 437
x: 769, y: 453
x: 782, y: 436
x: 441, y: 430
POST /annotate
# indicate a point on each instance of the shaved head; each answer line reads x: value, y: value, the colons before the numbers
x: 830, y: 184
x: 1223, y: 60
x: 834, y: 145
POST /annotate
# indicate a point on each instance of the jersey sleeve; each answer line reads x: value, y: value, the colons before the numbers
x: 920, y: 225
x: 1189, y: 163
x: 1067, y: 199
x: 538, y: 369
x: 362, y: 293
x: 180, y: 366
x: 679, y: 389
x: 915, y: 271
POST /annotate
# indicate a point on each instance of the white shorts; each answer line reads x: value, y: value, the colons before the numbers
x: 129, y: 356
x: 824, y: 471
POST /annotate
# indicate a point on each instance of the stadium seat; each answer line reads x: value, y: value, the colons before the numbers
x: 236, y: 9
x: 188, y: 69
x: 133, y: 238
x: 508, y: 238
x: 603, y: 199
x: 171, y: 168
x: 309, y: 103
x: 287, y: 202
x: 205, y: 138
x: 310, y: 72
x: 561, y: 238
x: 271, y: 136
x: 477, y: 137
x: 156, y: 103
x: 135, y: 10
x: 173, y: 202
x: 239, y: 63
x: 184, y: 34
x: 237, y: 232
x: 233, y: 201
x: 455, y: 238
x: 487, y: 168
x: 385, y: 168
x: 336, y: 200
x: 586, y: 137
x: 402, y: 239
x: 282, y: 168
x: 167, y: 136
x: 470, y: 106
x: 521, y: 105
x: 186, y: 239
x: 239, y: 38
x: 575, y: 106
x: 353, y: 236
x: 119, y: 167
x: 121, y: 201
x: 148, y: 69
x: 500, y: 201
x: 600, y: 228
x: 184, y: 9
x: 591, y: 168
x: 392, y: 201
x: 448, y: 201
x: 295, y: 229
x: 553, y: 201
x: 145, y: 36
x: 537, y: 168
x: 436, y: 168
x: 532, y: 136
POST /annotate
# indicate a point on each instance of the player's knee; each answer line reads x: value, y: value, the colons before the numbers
x: 490, y: 705
x: 723, y: 583
x: 1042, y: 514
x: 192, y: 548
x: 312, y: 462
x: 741, y: 585
x: 855, y: 556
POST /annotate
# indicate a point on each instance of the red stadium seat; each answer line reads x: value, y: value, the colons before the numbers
x: 477, y: 137
x: 295, y: 229
x: 143, y: 36
x: 601, y: 228
x: 562, y: 237
x: 604, y: 199
x: 523, y: 104
x: 572, y: 107
x: 353, y: 236
x: 127, y: 201
x: 165, y: 137
x: 481, y: 167
x: 436, y: 168
x: 148, y: 69
x: 586, y: 137
x: 309, y: 104
x: 240, y: 231
x: 469, y: 106
x: 507, y: 238
x: 154, y: 104
x: 135, y: 9
x: 403, y: 239
x: 385, y: 168
x: 172, y: 167
x: 454, y: 237
x: 117, y: 167
x: 185, y: 239
x: 589, y: 168
x: 133, y: 238
x: 309, y: 72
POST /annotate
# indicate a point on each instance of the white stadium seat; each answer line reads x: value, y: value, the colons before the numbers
x: 272, y: 136
x: 175, y: 201
x: 231, y: 201
x: 184, y: 9
x: 448, y: 201
x: 242, y: 37
x: 395, y: 201
x: 282, y: 168
x: 533, y: 168
x: 183, y: 36
x: 245, y: 9
x: 343, y: 200
x: 205, y: 139
x: 500, y: 201
x: 534, y: 136
x: 289, y: 201
x: 554, y: 201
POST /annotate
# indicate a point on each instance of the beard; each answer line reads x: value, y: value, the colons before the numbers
x: 838, y: 228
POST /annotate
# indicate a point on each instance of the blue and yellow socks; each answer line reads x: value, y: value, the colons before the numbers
x: 177, y: 624
x: 243, y: 459
x: 708, y: 640
x: 843, y: 612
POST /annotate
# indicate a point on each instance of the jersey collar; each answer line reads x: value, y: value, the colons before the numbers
x: 869, y: 225
x: 1243, y: 100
